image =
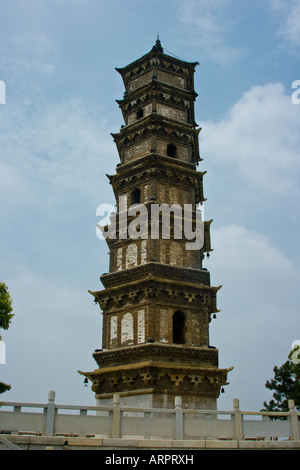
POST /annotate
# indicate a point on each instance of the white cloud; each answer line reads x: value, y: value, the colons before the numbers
x: 28, y: 51
x: 54, y: 157
x: 290, y: 23
x: 53, y: 334
x: 207, y: 28
x: 259, y: 316
x: 50, y: 151
x: 260, y: 136
x: 47, y: 68
x: 247, y: 255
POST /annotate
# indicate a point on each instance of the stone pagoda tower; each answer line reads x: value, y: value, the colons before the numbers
x: 157, y: 300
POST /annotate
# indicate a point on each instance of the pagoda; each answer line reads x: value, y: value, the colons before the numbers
x: 157, y: 302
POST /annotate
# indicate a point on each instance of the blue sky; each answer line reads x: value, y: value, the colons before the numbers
x: 58, y: 60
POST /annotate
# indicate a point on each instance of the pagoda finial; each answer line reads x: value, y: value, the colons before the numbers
x: 157, y: 47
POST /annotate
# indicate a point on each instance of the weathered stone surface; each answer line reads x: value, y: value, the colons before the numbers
x: 157, y: 300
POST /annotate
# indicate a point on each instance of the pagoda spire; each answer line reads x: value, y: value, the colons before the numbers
x: 157, y: 46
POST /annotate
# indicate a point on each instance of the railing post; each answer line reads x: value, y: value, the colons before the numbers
x: 82, y: 426
x: 116, y: 418
x: 294, y: 421
x: 238, y: 419
x: 179, y: 418
x: 50, y: 414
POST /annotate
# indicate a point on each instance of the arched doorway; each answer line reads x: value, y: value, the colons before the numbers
x: 179, y: 327
x: 171, y: 150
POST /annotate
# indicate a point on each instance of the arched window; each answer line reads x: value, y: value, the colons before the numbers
x: 127, y: 329
x: 178, y: 327
x: 171, y: 150
x: 131, y: 256
x: 140, y: 113
x: 136, y: 196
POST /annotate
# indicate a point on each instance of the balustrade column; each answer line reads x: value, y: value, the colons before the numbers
x: 238, y: 419
x: 179, y: 418
x: 294, y: 421
x: 116, y: 418
x: 50, y: 414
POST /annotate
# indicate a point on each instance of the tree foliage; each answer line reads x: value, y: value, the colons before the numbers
x: 6, y: 307
x: 286, y: 384
x: 6, y: 315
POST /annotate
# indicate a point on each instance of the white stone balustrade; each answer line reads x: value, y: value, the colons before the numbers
x: 124, y: 422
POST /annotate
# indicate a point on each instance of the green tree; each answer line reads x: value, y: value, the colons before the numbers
x: 286, y: 384
x: 6, y: 315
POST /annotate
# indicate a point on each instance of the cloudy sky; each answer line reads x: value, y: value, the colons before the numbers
x: 58, y: 60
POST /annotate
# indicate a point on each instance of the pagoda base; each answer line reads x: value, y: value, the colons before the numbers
x: 156, y: 383
x: 150, y: 399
